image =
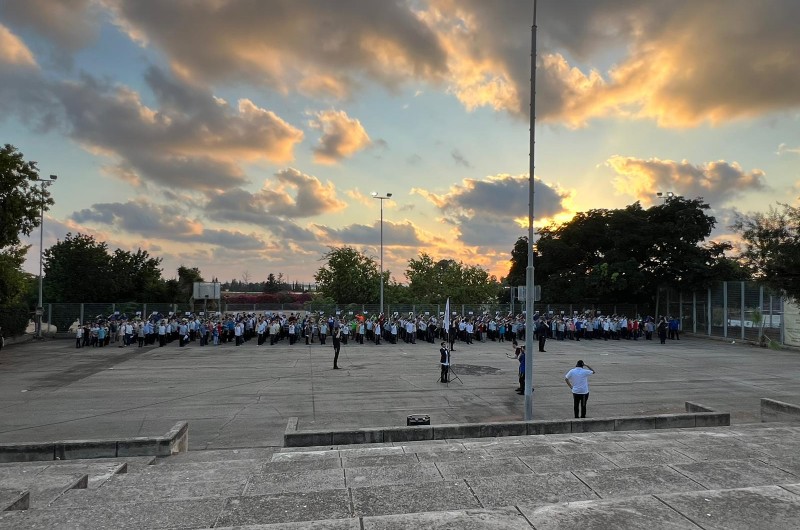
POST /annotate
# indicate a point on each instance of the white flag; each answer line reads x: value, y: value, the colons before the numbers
x: 446, y: 322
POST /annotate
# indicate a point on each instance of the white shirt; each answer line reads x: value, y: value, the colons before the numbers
x: 579, y: 378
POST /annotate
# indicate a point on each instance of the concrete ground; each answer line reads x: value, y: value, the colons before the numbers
x: 243, y: 396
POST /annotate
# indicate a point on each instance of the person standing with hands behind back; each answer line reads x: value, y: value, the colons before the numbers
x: 578, y: 381
x: 444, y: 360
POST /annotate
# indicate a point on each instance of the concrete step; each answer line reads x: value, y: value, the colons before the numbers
x: 193, y: 513
x: 13, y: 499
x: 44, y: 488
x: 216, y: 455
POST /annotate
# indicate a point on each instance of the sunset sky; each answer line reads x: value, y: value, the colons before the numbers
x: 247, y: 135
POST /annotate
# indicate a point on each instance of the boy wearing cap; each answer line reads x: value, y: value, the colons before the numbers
x: 578, y: 381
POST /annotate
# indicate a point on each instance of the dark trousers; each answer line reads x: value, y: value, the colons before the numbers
x: 579, y: 402
x: 542, y: 340
x: 336, y: 347
x: 445, y: 372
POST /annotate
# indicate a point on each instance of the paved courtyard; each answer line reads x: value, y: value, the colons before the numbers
x: 243, y: 396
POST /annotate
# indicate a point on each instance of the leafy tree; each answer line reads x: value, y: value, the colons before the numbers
x: 434, y: 281
x: 13, y: 280
x: 78, y: 269
x: 186, y: 278
x: 770, y: 248
x: 349, y: 276
x: 623, y: 255
x: 21, y: 199
x: 137, y: 276
x: 519, y: 263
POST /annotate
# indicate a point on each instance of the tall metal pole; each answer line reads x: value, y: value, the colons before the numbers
x: 381, y: 198
x: 40, y: 306
x: 529, y: 283
x: 381, y: 257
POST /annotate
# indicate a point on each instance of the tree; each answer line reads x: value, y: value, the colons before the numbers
x: 21, y: 204
x: 137, y: 276
x: 21, y: 199
x: 186, y: 278
x: 519, y: 263
x: 623, y: 255
x: 78, y: 269
x: 770, y: 248
x: 434, y: 281
x: 349, y: 276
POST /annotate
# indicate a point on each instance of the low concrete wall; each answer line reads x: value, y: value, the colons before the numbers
x: 772, y: 410
x: 176, y: 440
x: 700, y: 416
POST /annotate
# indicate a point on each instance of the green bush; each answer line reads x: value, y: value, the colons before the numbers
x: 14, y: 319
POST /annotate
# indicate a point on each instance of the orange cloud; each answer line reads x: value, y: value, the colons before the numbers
x: 342, y: 136
x: 717, y: 182
x: 13, y: 51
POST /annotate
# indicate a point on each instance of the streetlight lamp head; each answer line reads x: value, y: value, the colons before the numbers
x: 388, y: 194
x: 374, y: 193
x: 670, y: 194
x: 659, y: 194
x: 53, y: 177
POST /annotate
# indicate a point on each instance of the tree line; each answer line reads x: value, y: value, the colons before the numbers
x: 601, y: 255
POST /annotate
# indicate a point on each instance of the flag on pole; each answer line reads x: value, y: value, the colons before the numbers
x: 446, y: 322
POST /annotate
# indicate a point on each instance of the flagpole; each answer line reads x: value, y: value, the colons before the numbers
x: 529, y: 283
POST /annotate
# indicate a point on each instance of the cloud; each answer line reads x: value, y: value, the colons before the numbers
x: 785, y: 149
x: 459, y: 158
x: 162, y: 223
x: 315, y: 45
x: 192, y: 139
x: 69, y: 24
x: 13, y: 51
x: 680, y: 63
x: 484, y: 211
x: 717, y: 182
x: 395, y: 234
x: 291, y: 195
x: 342, y: 136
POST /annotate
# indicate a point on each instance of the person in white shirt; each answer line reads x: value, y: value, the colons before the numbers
x: 578, y: 381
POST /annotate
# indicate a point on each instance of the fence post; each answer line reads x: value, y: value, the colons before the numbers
x: 49, y: 316
x: 694, y: 312
x: 708, y: 309
x: 82, y: 320
x: 742, y: 308
x: 761, y: 310
x: 725, y: 309
x: 113, y: 308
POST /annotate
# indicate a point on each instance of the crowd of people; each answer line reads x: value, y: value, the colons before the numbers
x: 311, y: 328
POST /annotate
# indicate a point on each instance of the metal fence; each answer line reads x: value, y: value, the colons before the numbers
x: 734, y: 310
x: 731, y: 310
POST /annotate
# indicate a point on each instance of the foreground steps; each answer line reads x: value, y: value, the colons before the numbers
x: 745, y: 476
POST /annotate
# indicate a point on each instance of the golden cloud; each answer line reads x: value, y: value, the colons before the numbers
x: 717, y: 182
x: 342, y: 136
x: 13, y: 51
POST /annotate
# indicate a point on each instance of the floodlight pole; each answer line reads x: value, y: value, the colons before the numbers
x: 382, y: 198
x: 529, y: 278
x: 40, y: 305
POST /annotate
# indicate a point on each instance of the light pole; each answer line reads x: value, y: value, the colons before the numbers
x: 39, y: 307
x: 665, y: 196
x: 529, y: 278
x: 381, y: 198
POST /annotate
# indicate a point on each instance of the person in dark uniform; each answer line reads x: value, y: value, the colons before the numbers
x: 444, y: 360
x: 337, y: 341
x: 541, y: 329
x: 519, y: 354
